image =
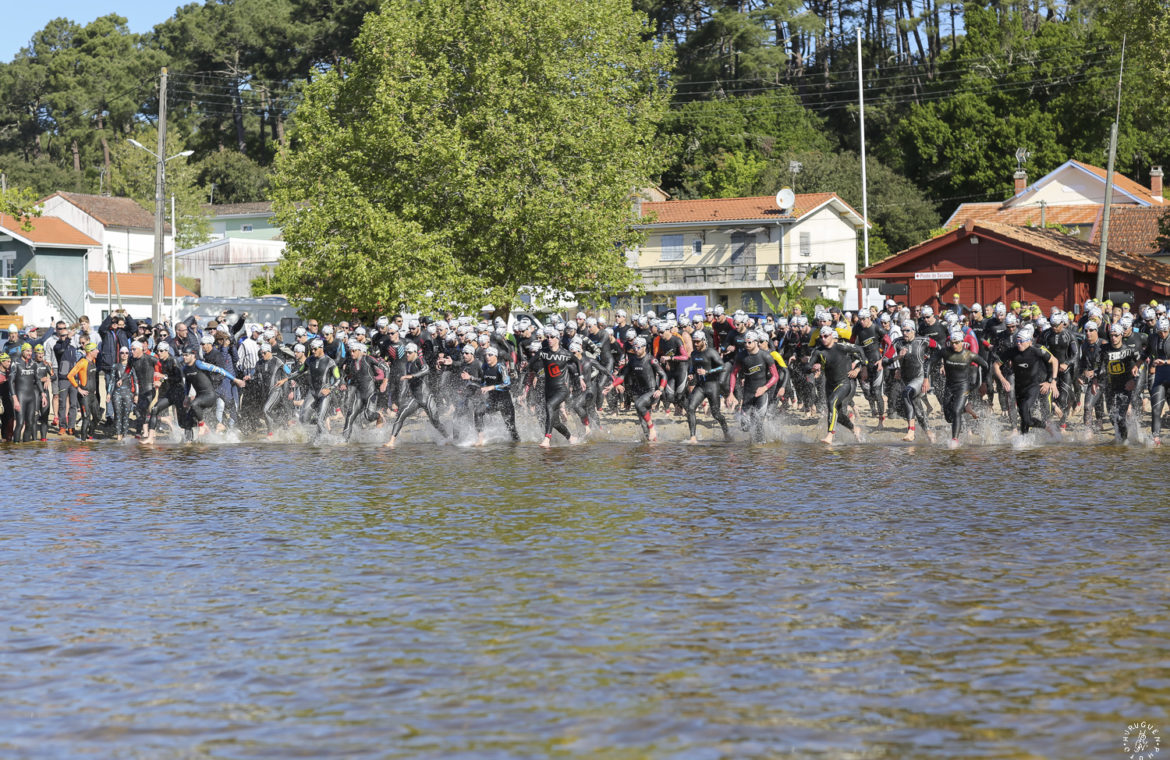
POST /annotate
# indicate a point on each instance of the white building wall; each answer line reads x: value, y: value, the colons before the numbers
x: 832, y: 241
x: 129, y: 246
x: 1073, y: 187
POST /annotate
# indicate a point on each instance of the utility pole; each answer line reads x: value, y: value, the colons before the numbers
x: 864, y: 187
x: 157, y: 293
x: 1109, y: 184
x: 174, y: 256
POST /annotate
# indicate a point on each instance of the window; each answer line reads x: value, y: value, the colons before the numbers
x: 696, y: 247
x: 7, y: 263
x: 245, y: 228
x: 672, y: 248
x: 805, y: 244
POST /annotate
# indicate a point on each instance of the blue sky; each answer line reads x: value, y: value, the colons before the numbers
x: 23, y: 18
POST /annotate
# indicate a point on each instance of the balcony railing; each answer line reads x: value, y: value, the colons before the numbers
x: 19, y: 287
x: 739, y: 275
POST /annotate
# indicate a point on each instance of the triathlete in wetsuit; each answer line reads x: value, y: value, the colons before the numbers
x: 122, y: 388
x: 197, y: 377
x: 645, y: 380
x: 28, y: 395
x: 913, y: 356
x: 554, y: 362
x: 1062, y: 343
x: 45, y: 373
x: 1034, y: 372
x: 957, y: 359
x: 1121, y: 363
x: 1158, y: 354
x: 868, y: 337
x: 706, y: 371
x: 168, y: 379
x: 363, y: 375
x: 495, y: 388
x: 84, y: 377
x: 415, y: 394
x: 268, y: 376
x: 841, y: 363
x: 755, y: 373
x: 323, y: 377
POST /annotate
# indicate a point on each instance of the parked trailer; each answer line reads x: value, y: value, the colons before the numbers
x: 273, y: 309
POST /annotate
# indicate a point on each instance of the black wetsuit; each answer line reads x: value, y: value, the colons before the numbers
x: 415, y: 394
x: 706, y: 388
x: 555, y: 365
x: 499, y: 399
x: 670, y: 347
x: 753, y: 372
x: 869, y: 340
x: 1030, y: 368
x: 171, y: 392
x: 1118, y: 365
x: 322, y: 374
x: 363, y: 374
x: 641, y: 377
x: 265, y: 376
x: 913, y: 368
x: 28, y: 391
x: 121, y: 387
x: 957, y: 367
x: 200, y: 377
x: 836, y: 364
x: 1158, y: 348
x: 1063, y: 345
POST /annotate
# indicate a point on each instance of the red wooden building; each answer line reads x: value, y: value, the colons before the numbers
x: 985, y: 262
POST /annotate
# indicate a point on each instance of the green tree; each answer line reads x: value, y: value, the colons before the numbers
x: 470, y: 149
x: 230, y: 177
x: 720, y: 146
x: 21, y: 204
x: 900, y: 213
x: 133, y: 176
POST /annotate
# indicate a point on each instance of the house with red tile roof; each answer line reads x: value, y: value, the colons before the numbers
x: 133, y: 292
x: 731, y: 249
x: 984, y: 262
x: 1073, y: 196
x: 122, y: 227
x: 43, y: 266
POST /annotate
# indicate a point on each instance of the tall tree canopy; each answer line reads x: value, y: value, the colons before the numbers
x: 472, y: 147
x: 952, y: 90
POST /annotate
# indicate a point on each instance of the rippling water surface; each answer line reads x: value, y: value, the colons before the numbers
x: 606, y: 600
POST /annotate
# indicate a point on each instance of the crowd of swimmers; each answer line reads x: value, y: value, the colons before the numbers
x: 1038, y: 371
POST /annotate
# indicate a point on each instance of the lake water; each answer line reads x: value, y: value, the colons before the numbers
x: 603, y: 601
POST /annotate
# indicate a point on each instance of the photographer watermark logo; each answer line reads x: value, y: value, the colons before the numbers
x: 1141, y: 741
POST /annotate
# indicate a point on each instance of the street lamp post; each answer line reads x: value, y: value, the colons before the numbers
x: 159, y: 185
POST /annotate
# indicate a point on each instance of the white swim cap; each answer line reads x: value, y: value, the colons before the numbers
x: 164, y: 346
x: 412, y: 348
x: 299, y: 348
x: 827, y: 332
x: 639, y: 342
x: 318, y: 343
x: 327, y: 330
x: 699, y: 336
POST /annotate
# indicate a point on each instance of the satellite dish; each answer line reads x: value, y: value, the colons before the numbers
x: 786, y: 199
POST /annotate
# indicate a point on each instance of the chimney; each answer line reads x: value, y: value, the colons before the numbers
x: 1156, y: 182
x: 1021, y: 178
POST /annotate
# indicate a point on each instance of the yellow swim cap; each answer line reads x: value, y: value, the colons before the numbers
x: 91, y: 346
x: 1015, y: 304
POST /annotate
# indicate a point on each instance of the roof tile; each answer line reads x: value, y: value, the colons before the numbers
x: 113, y: 212
x: 134, y: 285
x: 49, y: 230
x: 759, y: 208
